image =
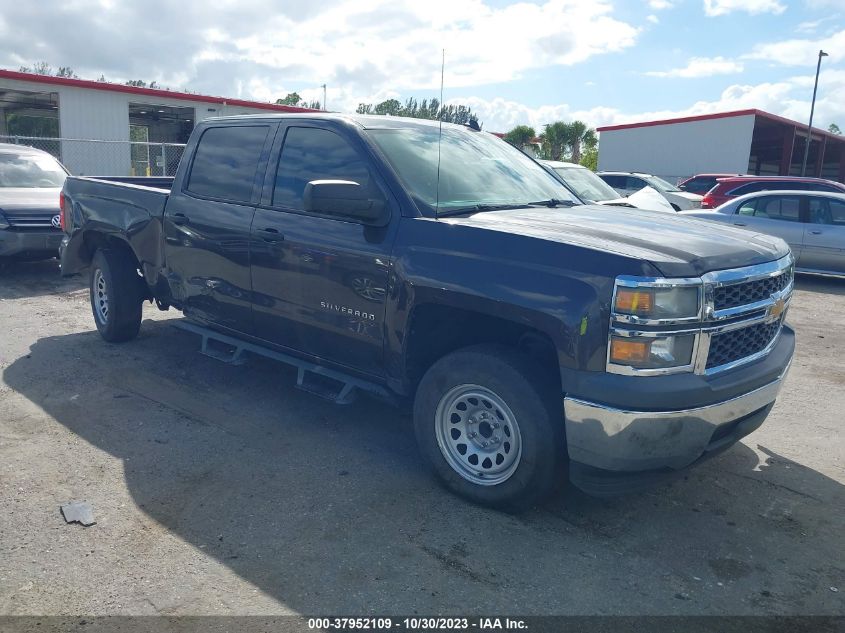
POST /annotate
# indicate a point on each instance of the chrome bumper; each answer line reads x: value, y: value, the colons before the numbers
x: 619, y: 440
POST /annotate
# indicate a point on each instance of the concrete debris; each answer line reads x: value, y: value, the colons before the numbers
x: 78, y: 512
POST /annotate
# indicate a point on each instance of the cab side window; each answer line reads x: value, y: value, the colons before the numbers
x: 226, y: 162
x: 315, y: 154
x: 827, y: 211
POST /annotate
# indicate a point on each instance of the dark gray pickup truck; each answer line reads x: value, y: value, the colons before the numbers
x: 533, y: 335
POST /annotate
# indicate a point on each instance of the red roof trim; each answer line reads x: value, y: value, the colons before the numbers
x: 686, y: 119
x: 720, y: 115
x: 149, y: 92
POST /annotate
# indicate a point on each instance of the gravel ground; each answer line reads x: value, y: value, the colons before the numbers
x: 224, y: 490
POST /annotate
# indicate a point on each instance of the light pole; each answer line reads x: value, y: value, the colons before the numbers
x: 324, y: 96
x: 812, y: 109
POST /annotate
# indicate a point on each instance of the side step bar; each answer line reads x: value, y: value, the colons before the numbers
x: 321, y: 381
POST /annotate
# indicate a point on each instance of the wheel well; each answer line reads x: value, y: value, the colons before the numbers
x: 436, y: 331
x: 93, y: 241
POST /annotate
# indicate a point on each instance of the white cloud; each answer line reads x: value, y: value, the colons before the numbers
x: 362, y: 50
x: 789, y: 98
x: 701, y: 67
x: 660, y: 5
x: 801, y: 52
x: 653, y: 19
x: 713, y: 8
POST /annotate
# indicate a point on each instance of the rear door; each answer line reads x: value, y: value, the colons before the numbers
x: 824, y: 236
x: 778, y: 215
x: 320, y: 283
x: 207, y: 224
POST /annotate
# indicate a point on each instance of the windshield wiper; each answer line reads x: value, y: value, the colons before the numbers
x: 551, y: 203
x: 477, y: 208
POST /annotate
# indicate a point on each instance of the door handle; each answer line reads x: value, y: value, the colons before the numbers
x: 816, y: 232
x: 740, y: 224
x: 271, y: 235
x: 179, y: 218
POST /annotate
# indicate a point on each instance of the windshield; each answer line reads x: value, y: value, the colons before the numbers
x: 661, y: 185
x: 30, y: 171
x: 476, y: 169
x: 586, y: 184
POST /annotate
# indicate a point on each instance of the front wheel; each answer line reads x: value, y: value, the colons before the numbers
x: 483, y: 419
x: 116, y: 301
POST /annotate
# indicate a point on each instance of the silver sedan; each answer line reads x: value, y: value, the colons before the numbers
x: 811, y: 222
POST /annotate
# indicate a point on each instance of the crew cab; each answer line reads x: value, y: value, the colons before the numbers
x: 440, y: 267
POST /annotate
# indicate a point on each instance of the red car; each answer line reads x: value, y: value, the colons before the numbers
x: 702, y: 183
x: 728, y: 188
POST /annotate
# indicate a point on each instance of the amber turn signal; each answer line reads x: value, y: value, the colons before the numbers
x: 627, y: 351
x: 630, y: 301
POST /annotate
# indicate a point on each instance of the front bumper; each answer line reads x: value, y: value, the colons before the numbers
x: 615, y: 449
x: 30, y: 243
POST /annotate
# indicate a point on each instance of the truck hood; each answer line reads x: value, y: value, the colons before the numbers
x: 28, y: 201
x: 677, y: 246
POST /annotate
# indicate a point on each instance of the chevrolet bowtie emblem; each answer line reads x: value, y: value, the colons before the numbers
x: 777, y: 309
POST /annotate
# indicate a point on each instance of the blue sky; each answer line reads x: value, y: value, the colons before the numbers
x: 603, y: 61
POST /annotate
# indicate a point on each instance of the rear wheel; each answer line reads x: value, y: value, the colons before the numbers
x: 116, y: 299
x: 483, y: 419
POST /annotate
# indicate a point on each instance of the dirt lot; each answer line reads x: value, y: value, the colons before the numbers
x: 224, y: 490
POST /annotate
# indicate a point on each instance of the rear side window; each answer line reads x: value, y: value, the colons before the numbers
x: 786, y: 208
x: 314, y: 154
x: 226, y: 162
x: 822, y: 187
x: 617, y: 182
x: 699, y: 185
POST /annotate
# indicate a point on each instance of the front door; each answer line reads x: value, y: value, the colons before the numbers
x: 824, y: 236
x: 319, y: 283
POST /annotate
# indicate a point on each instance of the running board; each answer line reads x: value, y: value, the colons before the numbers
x: 321, y: 381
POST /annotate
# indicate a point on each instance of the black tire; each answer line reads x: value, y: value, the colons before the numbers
x: 118, y: 318
x: 530, y: 398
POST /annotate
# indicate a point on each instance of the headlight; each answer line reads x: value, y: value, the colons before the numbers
x: 657, y: 302
x: 654, y: 325
x: 652, y: 352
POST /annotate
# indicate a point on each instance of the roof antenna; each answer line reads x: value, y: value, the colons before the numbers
x: 440, y: 135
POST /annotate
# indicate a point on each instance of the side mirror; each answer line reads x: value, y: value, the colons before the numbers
x: 344, y: 199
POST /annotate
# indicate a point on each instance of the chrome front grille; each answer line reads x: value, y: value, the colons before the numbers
x: 735, y: 345
x: 24, y: 222
x: 745, y: 293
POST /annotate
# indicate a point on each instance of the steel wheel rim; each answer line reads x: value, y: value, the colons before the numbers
x: 101, y: 297
x: 478, y: 435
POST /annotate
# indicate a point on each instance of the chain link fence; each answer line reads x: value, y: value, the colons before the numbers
x: 90, y: 157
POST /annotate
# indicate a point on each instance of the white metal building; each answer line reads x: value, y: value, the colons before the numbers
x: 106, y: 129
x: 739, y: 142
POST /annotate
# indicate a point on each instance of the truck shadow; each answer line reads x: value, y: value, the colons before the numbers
x: 329, y: 509
x: 19, y: 279
x: 820, y: 285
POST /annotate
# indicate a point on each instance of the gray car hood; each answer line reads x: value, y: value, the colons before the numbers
x: 29, y: 201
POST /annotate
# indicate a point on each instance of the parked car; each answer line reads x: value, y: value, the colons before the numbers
x: 735, y: 186
x: 628, y: 183
x: 529, y: 333
x: 702, y: 183
x: 591, y: 188
x: 811, y: 222
x: 30, y: 182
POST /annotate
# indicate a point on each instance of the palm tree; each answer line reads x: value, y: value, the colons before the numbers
x: 521, y: 136
x: 555, y: 139
x: 580, y: 137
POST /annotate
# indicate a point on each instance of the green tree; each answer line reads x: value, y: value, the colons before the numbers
x: 520, y: 136
x: 138, y: 83
x: 292, y: 99
x: 66, y: 71
x: 581, y: 137
x: 590, y: 159
x: 834, y: 129
x: 39, y: 68
x: 425, y: 109
x: 555, y: 140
